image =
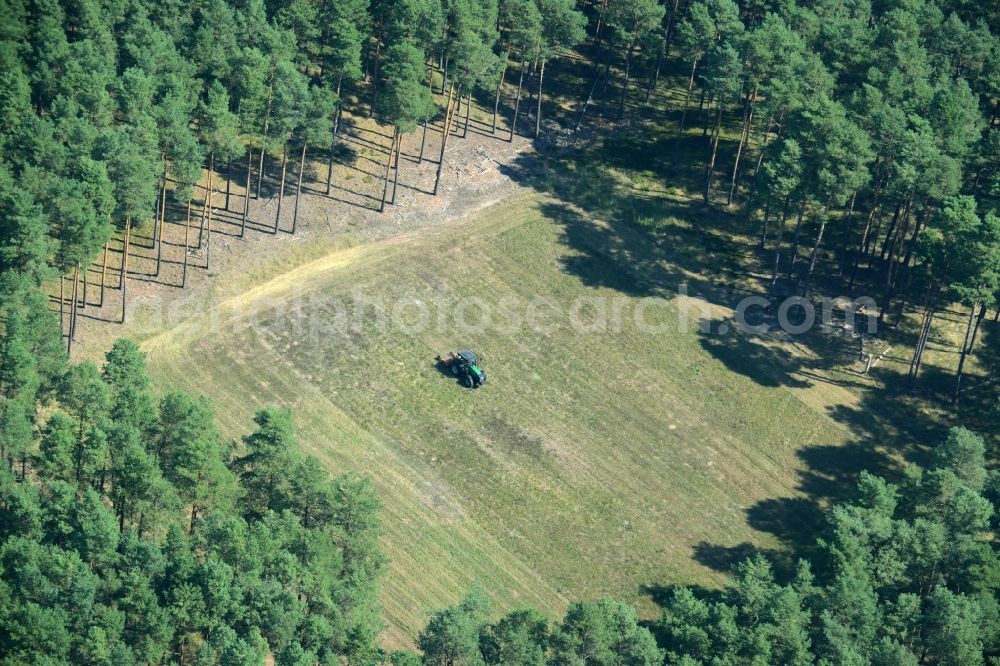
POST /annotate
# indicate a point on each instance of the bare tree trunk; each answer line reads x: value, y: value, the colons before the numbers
x: 744, y: 139
x: 671, y: 24
x: 62, y: 307
x: 873, y: 236
x: 687, y: 102
x: 767, y: 218
x: 86, y: 283
x: 628, y: 67
x: 246, y: 196
x: 340, y: 114
x: 496, y: 103
x: 538, y: 111
x: 795, y: 238
x: 104, y: 274
x: 388, y: 167
x: 128, y: 231
x: 517, y: 101
x: 72, y: 312
x: 966, y: 348
x: 158, y: 238
x: 705, y: 116
x: 378, y: 62
x: 187, y: 234
x: 756, y: 171
x: 913, y: 241
x: 925, y: 329
x: 607, y: 70
x: 586, y: 104
x: 892, y: 227
x: 848, y: 230
x: 531, y: 76
x: 600, y: 19
x: 204, y: 208
x: 468, y: 108
x: 656, y: 74
x: 281, y: 187
x: 776, y: 266
x: 444, y: 136
x: 298, y: 187
x: 918, y: 354
x: 395, y: 176
x: 76, y: 302
x: 710, y: 168
x: 333, y: 140
x: 892, y: 267
x: 160, y: 188
x: 163, y: 208
x: 863, y: 243
x: 892, y: 264
x: 329, y: 167
x: 229, y: 179
x: 211, y: 191
x: 263, y: 137
x: 823, y: 219
x: 423, y: 140
x: 979, y: 322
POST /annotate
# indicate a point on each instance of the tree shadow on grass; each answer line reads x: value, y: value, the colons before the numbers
x: 626, y: 229
x: 766, y: 364
x: 829, y: 476
x: 638, y: 243
x: 893, y: 418
x: 726, y: 558
x: 888, y: 428
x: 979, y: 399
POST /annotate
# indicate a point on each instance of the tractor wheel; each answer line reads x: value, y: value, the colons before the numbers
x: 454, y: 369
x: 469, y: 381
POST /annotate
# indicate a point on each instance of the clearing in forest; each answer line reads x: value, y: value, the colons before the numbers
x: 616, y: 460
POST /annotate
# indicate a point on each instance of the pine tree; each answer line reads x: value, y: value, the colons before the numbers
x: 474, y: 63
x: 603, y: 632
x: 949, y: 259
x: 218, y: 128
x: 632, y: 21
x: 723, y: 80
x: 189, y: 452
x: 525, y: 21
x: 291, y: 99
x: 562, y: 27
x: 519, y: 637
x: 84, y: 394
x: 404, y: 102
x: 262, y: 470
x: 314, y: 129
x: 707, y: 22
x: 345, y: 24
x: 452, y: 635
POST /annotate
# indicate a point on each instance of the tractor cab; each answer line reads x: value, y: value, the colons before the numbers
x: 465, y: 366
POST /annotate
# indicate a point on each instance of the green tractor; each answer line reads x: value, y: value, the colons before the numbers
x: 465, y: 366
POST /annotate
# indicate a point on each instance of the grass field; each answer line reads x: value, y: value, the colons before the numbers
x: 597, y: 463
x: 613, y: 461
